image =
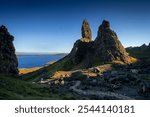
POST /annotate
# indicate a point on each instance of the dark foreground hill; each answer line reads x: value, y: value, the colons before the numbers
x: 12, y: 88
x: 8, y: 58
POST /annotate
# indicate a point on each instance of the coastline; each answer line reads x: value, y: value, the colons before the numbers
x: 41, y: 54
x: 32, y: 69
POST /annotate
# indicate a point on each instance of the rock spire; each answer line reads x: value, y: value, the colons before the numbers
x: 86, y: 31
x: 107, y: 45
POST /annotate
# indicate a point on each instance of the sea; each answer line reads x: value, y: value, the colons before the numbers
x: 29, y: 61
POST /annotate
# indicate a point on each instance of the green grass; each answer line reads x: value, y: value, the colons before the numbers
x: 64, y: 64
x: 142, y: 52
x: 13, y: 88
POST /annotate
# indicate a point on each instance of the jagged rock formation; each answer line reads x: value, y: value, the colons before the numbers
x: 83, y: 48
x: 108, y: 48
x: 86, y: 32
x: 8, y: 59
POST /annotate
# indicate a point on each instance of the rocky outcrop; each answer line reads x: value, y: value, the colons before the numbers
x: 8, y: 59
x: 80, y: 50
x: 83, y: 48
x: 86, y: 32
x: 108, y: 48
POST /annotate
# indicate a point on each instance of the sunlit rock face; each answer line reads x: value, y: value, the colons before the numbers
x: 86, y: 32
x: 108, y: 48
x: 8, y: 58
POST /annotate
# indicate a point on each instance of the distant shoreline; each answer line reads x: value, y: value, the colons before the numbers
x: 41, y: 54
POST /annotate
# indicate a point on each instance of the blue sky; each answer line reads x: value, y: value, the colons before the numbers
x: 54, y: 25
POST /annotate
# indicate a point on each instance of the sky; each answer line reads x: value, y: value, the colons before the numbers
x: 54, y: 25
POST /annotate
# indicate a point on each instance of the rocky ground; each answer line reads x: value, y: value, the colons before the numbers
x: 109, y: 81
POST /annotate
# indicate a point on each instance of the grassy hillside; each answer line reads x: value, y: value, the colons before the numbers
x: 63, y: 64
x: 142, y: 52
x: 13, y: 88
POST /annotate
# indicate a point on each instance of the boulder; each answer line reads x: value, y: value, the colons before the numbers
x: 134, y: 71
x: 145, y: 88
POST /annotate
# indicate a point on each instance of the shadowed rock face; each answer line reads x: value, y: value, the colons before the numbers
x: 107, y: 46
x: 83, y: 48
x: 82, y: 51
x: 8, y: 59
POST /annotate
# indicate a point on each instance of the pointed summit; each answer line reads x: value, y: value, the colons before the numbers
x: 108, y: 48
x: 3, y: 28
x: 86, y: 31
x: 105, y: 24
